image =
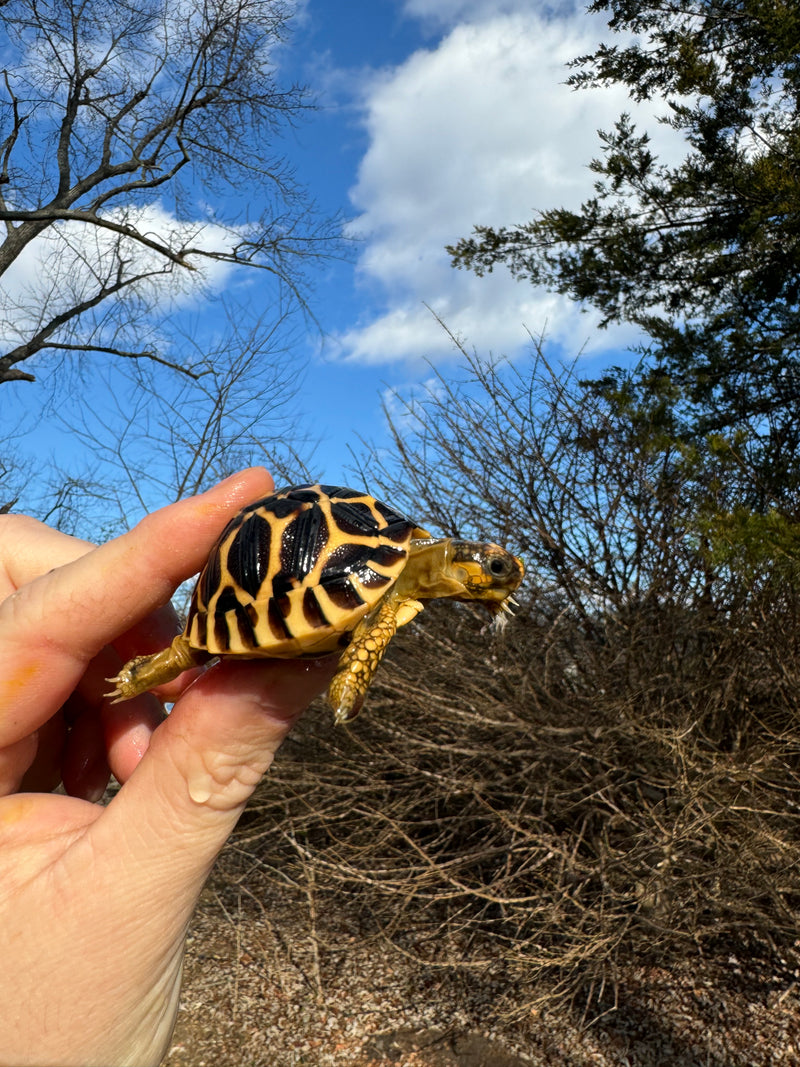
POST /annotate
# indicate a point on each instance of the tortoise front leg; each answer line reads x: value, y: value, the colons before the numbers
x: 143, y: 672
x: 360, y: 661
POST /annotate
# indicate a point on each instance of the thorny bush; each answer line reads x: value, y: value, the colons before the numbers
x: 616, y: 776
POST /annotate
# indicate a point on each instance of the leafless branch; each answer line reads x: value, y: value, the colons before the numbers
x: 614, y: 780
x: 119, y: 100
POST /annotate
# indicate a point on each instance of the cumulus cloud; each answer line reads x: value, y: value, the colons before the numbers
x: 478, y: 129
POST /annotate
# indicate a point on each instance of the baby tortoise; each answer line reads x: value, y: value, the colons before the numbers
x: 315, y: 569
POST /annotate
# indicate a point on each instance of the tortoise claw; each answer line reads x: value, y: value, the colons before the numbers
x: 114, y: 696
x: 123, y: 684
x: 348, y: 708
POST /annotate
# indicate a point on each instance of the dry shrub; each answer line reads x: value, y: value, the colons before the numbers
x: 615, y: 778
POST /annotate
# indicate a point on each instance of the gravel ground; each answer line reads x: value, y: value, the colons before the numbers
x: 269, y: 984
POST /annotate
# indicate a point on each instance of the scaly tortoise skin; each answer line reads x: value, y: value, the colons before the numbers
x: 315, y: 569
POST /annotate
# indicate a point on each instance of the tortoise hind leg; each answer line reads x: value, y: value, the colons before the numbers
x: 143, y: 672
x: 360, y: 661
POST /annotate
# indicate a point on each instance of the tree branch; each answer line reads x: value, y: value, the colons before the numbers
x: 126, y: 98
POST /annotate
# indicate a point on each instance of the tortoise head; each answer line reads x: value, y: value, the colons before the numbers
x: 461, y: 570
x: 486, y: 571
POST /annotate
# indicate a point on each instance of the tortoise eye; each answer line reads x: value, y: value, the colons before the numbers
x: 498, y: 566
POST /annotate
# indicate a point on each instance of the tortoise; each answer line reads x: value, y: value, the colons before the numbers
x: 315, y: 569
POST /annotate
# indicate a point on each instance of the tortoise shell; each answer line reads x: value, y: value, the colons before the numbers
x: 294, y: 573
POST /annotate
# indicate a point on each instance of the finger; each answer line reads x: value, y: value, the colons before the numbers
x: 44, y: 773
x: 29, y: 548
x: 84, y: 769
x: 205, y: 760
x: 52, y: 626
x: 123, y: 730
x: 15, y: 761
x: 122, y: 581
x: 128, y: 729
x: 152, y: 633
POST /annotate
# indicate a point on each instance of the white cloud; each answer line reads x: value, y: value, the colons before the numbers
x: 480, y: 129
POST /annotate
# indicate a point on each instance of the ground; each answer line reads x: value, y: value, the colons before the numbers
x: 274, y: 979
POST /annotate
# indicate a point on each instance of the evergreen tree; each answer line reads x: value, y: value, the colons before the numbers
x: 704, y: 256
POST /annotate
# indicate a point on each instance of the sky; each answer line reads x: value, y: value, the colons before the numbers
x: 439, y: 116
x: 433, y: 116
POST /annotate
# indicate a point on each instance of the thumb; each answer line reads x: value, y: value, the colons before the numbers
x: 204, y: 761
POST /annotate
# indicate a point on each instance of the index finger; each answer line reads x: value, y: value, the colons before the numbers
x: 29, y: 548
x: 54, y: 624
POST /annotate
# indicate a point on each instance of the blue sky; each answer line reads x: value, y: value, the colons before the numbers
x: 433, y: 115
x: 439, y: 114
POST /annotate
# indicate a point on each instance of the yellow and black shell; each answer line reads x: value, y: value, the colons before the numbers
x: 294, y: 573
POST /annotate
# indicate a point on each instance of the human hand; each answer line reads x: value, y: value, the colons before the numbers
x: 95, y: 901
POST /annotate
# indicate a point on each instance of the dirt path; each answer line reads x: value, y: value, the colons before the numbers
x: 263, y: 989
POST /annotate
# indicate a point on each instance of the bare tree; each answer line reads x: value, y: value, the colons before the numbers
x: 119, y: 123
x: 151, y: 436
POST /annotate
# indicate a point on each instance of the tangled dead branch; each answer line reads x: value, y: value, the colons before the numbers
x: 616, y: 779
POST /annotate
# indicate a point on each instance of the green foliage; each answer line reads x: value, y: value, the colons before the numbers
x: 703, y: 255
x: 753, y: 545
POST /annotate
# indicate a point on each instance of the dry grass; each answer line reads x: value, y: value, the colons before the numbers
x: 296, y: 976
